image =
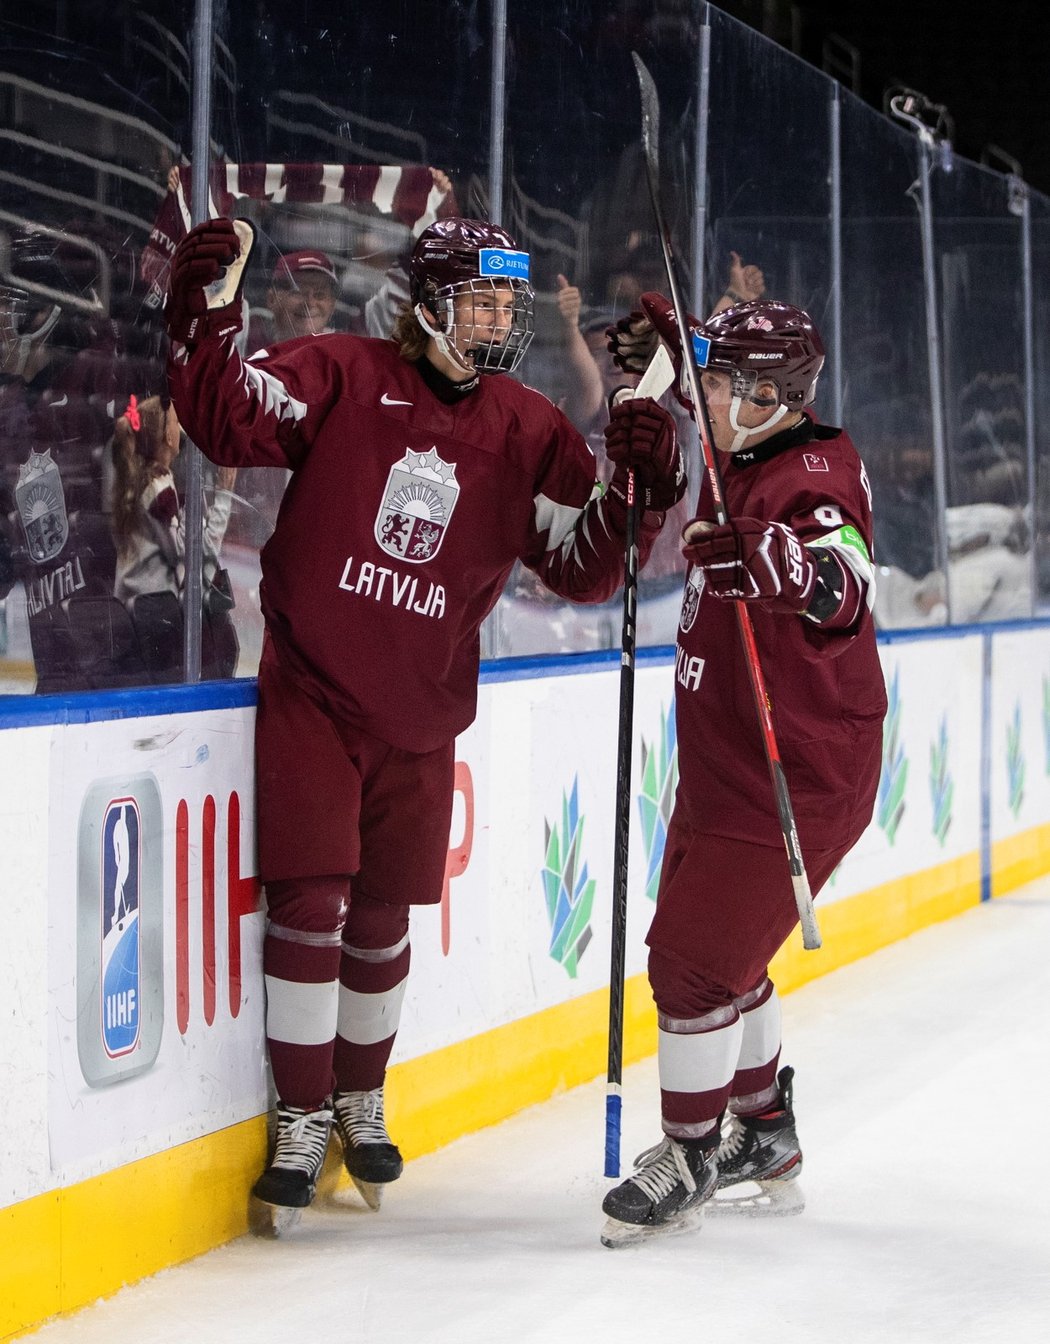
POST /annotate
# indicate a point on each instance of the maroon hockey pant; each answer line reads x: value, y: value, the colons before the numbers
x: 724, y: 908
x: 351, y: 833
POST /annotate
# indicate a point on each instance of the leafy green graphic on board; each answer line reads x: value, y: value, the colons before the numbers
x: 1015, y: 761
x: 659, y: 781
x: 568, y: 891
x: 894, y: 777
x: 942, y: 786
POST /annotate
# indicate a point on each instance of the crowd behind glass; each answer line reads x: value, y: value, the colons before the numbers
x: 341, y: 146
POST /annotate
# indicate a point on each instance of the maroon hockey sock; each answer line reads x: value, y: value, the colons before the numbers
x: 373, y: 971
x: 301, y: 965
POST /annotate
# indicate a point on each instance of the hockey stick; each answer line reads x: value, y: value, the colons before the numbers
x: 654, y: 382
x: 799, y: 879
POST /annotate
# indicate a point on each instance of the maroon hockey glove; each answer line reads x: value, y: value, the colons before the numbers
x: 641, y: 436
x: 660, y: 314
x: 209, y: 258
x: 753, y: 561
x: 632, y: 342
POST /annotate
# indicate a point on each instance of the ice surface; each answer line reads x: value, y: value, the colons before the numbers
x: 923, y: 1103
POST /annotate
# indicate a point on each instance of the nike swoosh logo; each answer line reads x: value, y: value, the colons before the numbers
x: 388, y: 400
x: 56, y: 404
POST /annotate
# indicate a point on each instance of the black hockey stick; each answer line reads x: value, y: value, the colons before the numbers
x: 785, y: 812
x: 654, y: 382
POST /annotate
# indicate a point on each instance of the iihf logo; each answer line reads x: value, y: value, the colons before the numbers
x: 420, y: 495
x: 120, y: 928
x: 121, y: 943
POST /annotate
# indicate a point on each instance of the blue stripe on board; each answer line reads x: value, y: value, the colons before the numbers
x: 23, y: 711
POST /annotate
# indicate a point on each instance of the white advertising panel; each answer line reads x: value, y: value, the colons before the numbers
x: 154, y: 937
x: 135, y: 1006
x: 928, y: 807
x: 1019, y: 731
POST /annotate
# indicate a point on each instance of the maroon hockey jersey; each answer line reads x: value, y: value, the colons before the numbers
x: 826, y: 689
x: 402, y: 520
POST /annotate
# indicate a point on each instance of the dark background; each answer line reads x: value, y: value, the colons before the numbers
x: 988, y: 63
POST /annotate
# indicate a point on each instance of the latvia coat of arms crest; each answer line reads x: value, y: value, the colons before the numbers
x: 420, y: 495
x: 694, y: 586
x: 42, y: 507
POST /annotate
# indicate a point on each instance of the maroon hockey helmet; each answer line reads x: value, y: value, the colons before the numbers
x: 471, y: 256
x: 767, y: 341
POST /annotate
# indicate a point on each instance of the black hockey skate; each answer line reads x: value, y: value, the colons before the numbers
x: 667, y: 1193
x: 289, y: 1182
x: 372, y: 1160
x: 762, y: 1152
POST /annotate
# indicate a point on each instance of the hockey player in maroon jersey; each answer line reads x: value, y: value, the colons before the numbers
x: 797, y: 550
x: 418, y: 479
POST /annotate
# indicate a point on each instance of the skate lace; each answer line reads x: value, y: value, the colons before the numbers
x: 732, y: 1141
x: 361, y: 1116
x: 659, y: 1169
x: 302, y: 1138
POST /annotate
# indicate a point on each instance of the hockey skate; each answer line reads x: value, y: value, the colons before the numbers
x: 759, y: 1160
x: 667, y: 1193
x: 372, y: 1160
x: 288, y: 1184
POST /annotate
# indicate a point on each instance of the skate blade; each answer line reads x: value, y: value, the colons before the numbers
x: 371, y: 1193
x: 224, y: 290
x: 273, y: 1220
x: 759, y: 1199
x: 615, y: 1234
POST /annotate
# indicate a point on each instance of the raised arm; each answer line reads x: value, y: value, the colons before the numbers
x: 259, y: 412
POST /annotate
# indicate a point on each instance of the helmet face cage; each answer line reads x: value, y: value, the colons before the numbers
x: 457, y: 257
x: 494, y: 344
x: 770, y: 342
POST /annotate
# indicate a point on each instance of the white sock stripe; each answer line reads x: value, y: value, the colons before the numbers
x: 367, y: 1019
x: 302, y: 937
x: 744, y: 1001
x: 301, y: 1014
x: 375, y: 954
x: 762, y: 1032
x: 688, y: 1026
x: 701, y: 1062
x: 683, y: 1131
x: 755, y: 1101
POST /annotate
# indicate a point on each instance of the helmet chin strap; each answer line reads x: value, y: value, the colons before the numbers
x: 441, y: 337
x: 742, y: 433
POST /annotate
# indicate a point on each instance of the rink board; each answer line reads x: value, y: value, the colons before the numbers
x: 131, y: 963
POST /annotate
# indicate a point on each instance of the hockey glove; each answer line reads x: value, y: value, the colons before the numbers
x: 632, y: 342
x: 205, y: 282
x: 641, y: 436
x: 661, y: 315
x: 752, y: 561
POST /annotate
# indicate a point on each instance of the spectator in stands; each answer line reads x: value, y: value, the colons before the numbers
x: 302, y: 295
x: 149, y: 532
x: 746, y: 282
